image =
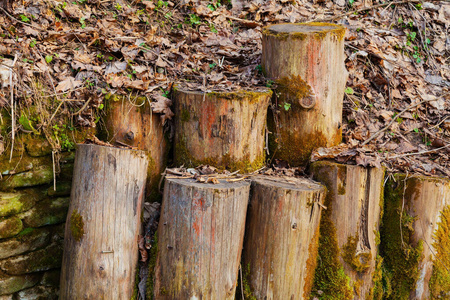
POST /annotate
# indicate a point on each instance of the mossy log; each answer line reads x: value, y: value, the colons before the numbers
x: 281, y: 237
x: 306, y: 61
x: 131, y: 122
x: 415, y: 236
x: 225, y: 130
x: 200, y: 238
x: 350, y: 224
x: 103, y: 222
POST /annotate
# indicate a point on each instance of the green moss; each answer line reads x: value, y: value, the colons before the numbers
x: 245, y: 165
x: 293, y: 88
x: 329, y: 276
x: 250, y: 96
x: 248, y: 293
x: 440, y: 277
x: 359, y: 262
x: 151, y: 267
x: 135, y: 295
x: 401, y: 256
x: 185, y: 115
x: 341, y: 189
x: 76, y: 225
x: 338, y: 31
x: 25, y: 231
x: 378, y: 289
x: 10, y: 226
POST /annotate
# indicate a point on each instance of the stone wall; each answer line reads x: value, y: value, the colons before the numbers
x: 32, y: 216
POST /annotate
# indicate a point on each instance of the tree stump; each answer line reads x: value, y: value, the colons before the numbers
x: 103, y: 222
x: 415, y: 236
x: 225, y: 130
x: 349, y: 231
x: 306, y: 61
x: 131, y: 122
x: 200, y: 238
x: 282, y: 231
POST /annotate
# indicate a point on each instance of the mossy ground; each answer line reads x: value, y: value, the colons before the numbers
x: 401, y: 256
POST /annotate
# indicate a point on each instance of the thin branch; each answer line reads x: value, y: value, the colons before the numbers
x: 421, y: 152
x: 394, y: 119
x: 31, y: 25
x: 372, y: 7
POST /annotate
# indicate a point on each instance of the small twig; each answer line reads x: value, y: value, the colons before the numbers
x: 54, y: 173
x: 82, y: 108
x: 420, y: 153
x: 31, y: 25
x: 394, y: 119
x: 370, y: 8
x: 13, y: 116
x: 321, y: 205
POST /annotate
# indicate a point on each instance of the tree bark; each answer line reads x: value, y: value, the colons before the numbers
x: 103, y: 222
x: 416, y: 215
x: 225, y: 130
x: 306, y: 61
x: 131, y: 122
x: 200, y: 239
x: 354, y: 207
x: 282, y: 231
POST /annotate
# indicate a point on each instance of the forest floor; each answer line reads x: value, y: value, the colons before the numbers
x: 68, y: 55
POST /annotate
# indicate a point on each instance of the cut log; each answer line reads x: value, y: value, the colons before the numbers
x: 225, y: 130
x: 280, y: 248
x: 200, y: 238
x: 349, y: 233
x: 103, y: 222
x: 131, y: 122
x: 307, y: 63
x: 415, y: 236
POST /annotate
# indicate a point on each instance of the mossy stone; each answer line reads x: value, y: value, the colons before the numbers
x: 36, y: 176
x: 62, y: 189
x: 22, y: 164
x: 37, y: 261
x: 47, y: 212
x: 38, y: 293
x: 37, y: 146
x: 11, y: 284
x: 10, y: 227
x: 51, y: 278
x: 14, y: 203
x: 27, y: 240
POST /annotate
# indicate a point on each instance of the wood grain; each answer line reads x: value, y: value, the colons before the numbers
x: 200, y: 238
x: 103, y: 222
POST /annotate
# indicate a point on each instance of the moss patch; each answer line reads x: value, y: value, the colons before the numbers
x: 359, y: 262
x: 151, y: 267
x: 248, y: 293
x: 10, y: 227
x: 330, y: 281
x: 245, y: 165
x: 440, y: 277
x: 76, y: 225
x: 401, y: 256
x: 293, y: 88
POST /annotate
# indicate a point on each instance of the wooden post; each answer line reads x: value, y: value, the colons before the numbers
x: 225, y: 130
x: 282, y: 231
x: 131, y: 122
x: 200, y: 238
x: 415, y: 236
x: 351, y: 225
x: 307, y: 63
x: 103, y: 222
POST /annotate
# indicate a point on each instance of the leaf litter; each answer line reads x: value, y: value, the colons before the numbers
x: 396, y: 104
